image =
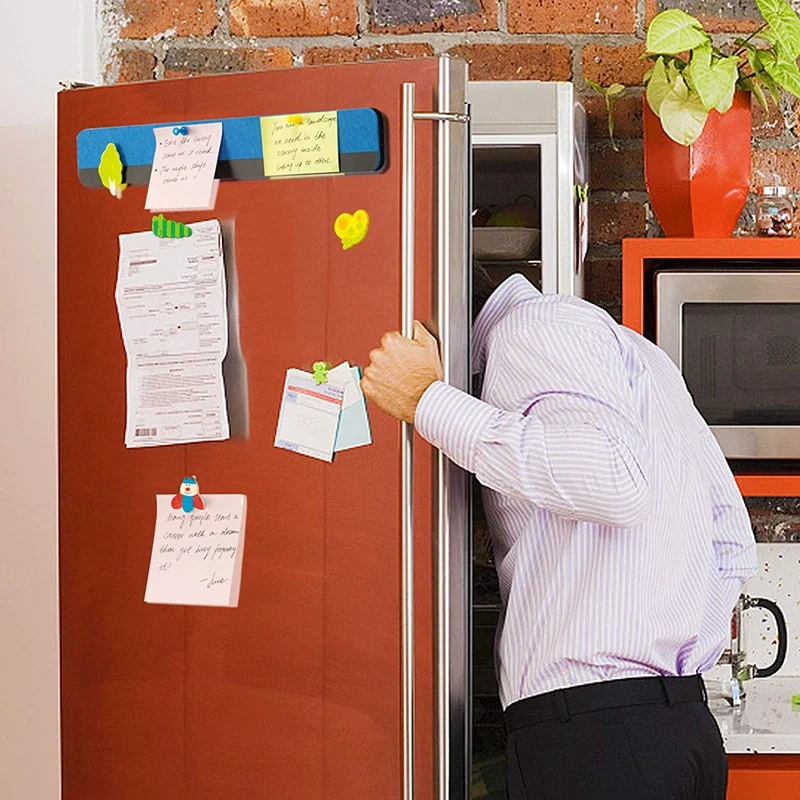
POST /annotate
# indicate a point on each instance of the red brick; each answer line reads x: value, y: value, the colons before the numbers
x: 347, y: 55
x: 184, y: 17
x: 134, y: 65
x: 607, y: 65
x: 292, y: 17
x: 571, y: 16
x: 715, y: 24
x: 767, y: 125
x: 616, y: 170
x: 484, y: 20
x: 508, y: 62
x: 771, y: 166
x: 627, y: 117
x: 185, y: 62
x: 603, y: 280
x: 610, y: 223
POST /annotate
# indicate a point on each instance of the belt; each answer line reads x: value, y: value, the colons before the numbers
x: 563, y: 704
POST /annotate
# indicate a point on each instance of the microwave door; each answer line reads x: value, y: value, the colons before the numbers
x: 735, y: 336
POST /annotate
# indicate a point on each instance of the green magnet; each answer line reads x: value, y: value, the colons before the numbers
x: 321, y: 372
x: 796, y: 699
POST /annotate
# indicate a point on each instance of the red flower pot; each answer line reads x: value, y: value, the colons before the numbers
x: 700, y: 190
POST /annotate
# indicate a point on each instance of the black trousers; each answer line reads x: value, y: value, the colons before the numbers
x: 632, y: 739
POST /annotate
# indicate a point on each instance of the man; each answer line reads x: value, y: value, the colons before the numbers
x: 620, y: 537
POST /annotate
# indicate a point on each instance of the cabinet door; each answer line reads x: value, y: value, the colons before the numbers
x: 297, y: 692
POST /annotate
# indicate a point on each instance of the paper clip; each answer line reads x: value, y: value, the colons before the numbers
x: 321, y: 372
x: 180, y: 131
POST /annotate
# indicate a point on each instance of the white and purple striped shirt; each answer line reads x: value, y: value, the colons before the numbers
x: 620, y: 537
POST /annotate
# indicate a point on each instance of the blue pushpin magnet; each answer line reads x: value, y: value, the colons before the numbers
x: 180, y: 131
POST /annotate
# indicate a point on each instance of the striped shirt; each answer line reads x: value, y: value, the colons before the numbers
x: 620, y: 537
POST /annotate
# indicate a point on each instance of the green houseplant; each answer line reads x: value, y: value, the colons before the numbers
x: 691, y: 76
x: 697, y: 125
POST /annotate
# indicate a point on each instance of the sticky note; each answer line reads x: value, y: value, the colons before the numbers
x: 197, y: 556
x: 300, y: 144
x: 182, y: 176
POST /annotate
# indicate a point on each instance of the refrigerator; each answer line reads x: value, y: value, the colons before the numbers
x: 346, y: 671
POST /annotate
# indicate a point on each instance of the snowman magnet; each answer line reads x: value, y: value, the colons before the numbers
x: 188, y: 498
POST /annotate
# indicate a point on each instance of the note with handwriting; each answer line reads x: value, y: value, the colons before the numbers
x: 197, y: 555
x: 182, y: 176
x: 300, y: 144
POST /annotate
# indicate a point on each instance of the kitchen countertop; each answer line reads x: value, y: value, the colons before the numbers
x: 766, y: 722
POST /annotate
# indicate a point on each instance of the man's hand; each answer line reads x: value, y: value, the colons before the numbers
x: 401, y: 370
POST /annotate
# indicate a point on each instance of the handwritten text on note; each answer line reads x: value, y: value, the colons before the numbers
x: 197, y: 556
x: 182, y: 177
x: 300, y: 144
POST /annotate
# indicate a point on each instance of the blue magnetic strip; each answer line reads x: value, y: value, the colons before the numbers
x: 359, y: 132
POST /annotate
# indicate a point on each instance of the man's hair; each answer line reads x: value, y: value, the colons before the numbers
x: 483, y: 285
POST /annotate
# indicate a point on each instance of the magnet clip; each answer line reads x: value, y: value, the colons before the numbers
x: 180, y: 130
x: 321, y: 369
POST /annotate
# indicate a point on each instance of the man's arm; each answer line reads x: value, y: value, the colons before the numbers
x: 732, y: 536
x: 578, y: 451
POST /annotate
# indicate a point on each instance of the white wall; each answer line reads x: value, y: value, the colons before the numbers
x: 50, y: 42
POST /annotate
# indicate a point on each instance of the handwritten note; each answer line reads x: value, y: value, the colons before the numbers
x: 300, y: 144
x: 182, y: 177
x: 197, y: 556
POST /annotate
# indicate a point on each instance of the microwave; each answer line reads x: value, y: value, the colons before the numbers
x: 735, y: 336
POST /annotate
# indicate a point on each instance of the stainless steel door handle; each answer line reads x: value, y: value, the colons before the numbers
x: 407, y: 447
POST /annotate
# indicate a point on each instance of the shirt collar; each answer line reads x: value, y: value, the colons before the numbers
x: 512, y: 292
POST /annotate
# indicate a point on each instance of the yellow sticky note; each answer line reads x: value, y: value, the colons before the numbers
x: 307, y: 147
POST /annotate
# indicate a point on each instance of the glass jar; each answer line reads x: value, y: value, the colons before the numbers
x: 774, y: 211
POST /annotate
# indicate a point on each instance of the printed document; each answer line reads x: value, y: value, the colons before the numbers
x: 197, y: 555
x: 309, y: 416
x: 172, y: 309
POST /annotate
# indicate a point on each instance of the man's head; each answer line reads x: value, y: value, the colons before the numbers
x: 483, y: 285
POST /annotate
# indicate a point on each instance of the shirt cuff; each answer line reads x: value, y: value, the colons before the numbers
x: 452, y: 421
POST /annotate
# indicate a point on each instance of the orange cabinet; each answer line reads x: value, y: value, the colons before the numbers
x: 751, y: 777
x: 640, y: 259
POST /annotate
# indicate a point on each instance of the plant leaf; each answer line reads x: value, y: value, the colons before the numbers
x: 683, y: 116
x: 786, y: 75
x: 674, y: 31
x: 784, y: 26
x: 615, y: 90
x: 658, y: 87
x: 596, y: 86
x: 716, y: 84
x: 768, y: 60
x: 758, y: 91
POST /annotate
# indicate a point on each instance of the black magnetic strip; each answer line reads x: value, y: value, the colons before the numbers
x: 241, y: 170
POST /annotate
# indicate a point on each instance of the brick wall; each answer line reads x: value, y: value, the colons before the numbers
x: 502, y: 40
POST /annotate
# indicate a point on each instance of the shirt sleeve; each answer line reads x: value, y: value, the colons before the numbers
x: 576, y: 448
x: 732, y: 532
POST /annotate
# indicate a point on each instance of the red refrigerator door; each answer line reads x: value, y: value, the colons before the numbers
x: 296, y: 693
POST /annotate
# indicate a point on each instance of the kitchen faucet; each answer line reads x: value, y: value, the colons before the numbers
x: 736, y: 654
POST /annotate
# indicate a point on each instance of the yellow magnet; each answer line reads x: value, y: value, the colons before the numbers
x: 295, y: 119
x: 110, y: 171
x: 351, y: 228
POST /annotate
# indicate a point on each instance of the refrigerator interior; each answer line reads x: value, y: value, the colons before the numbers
x: 502, y: 175
x: 507, y: 182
